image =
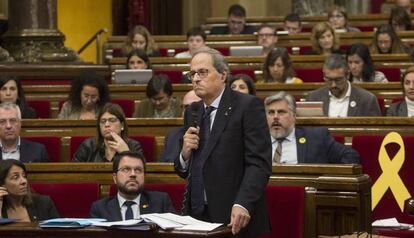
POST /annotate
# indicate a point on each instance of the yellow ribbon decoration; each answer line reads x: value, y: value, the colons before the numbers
x: 390, y: 177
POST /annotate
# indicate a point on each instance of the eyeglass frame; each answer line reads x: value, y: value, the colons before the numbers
x: 191, y: 74
x: 12, y: 121
x: 110, y: 121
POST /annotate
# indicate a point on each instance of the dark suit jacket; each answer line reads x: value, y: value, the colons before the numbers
x: 238, y: 160
x: 172, y: 145
x: 42, y: 208
x: 224, y: 30
x: 316, y: 145
x: 31, y: 151
x: 398, y: 109
x: 366, y: 104
x: 150, y: 202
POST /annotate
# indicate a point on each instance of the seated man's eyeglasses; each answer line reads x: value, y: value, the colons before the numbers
x: 336, y: 80
x: 12, y: 121
x: 265, y: 35
x: 202, y: 73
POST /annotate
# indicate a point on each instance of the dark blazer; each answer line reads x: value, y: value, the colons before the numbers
x: 172, y: 145
x: 42, y: 208
x: 238, y: 160
x: 150, y: 202
x: 87, y: 151
x: 224, y: 30
x: 316, y: 145
x: 31, y: 151
x: 361, y: 102
x: 398, y: 109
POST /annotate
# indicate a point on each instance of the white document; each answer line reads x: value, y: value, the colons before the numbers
x: 117, y: 223
x: 391, y: 222
x: 172, y: 221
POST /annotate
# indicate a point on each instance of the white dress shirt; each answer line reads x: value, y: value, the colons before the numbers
x: 289, y: 151
x: 338, y: 107
x: 11, y: 154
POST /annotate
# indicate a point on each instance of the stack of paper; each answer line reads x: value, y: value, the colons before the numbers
x: 137, y: 224
x: 68, y: 222
x: 171, y: 221
x: 391, y: 223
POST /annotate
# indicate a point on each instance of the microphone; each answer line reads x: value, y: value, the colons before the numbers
x: 194, y: 116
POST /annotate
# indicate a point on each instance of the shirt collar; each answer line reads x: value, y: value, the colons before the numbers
x: 122, y: 200
x: 216, y: 101
x: 17, y: 146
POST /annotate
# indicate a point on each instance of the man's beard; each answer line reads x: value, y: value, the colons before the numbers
x: 282, y: 132
x: 131, y: 192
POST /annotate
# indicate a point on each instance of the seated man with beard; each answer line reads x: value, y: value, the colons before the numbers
x: 131, y: 200
x: 292, y: 144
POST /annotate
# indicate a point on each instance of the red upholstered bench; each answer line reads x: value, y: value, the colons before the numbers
x: 175, y: 191
x: 75, y: 142
x: 310, y: 75
x: 42, y: 107
x: 175, y: 76
x: 392, y: 74
x: 127, y: 106
x: 52, y: 144
x: 369, y: 147
x: 249, y: 72
x: 286, y: 211
x: 71, y: 199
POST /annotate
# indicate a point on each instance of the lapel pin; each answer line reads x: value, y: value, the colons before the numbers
x: 145, y: 206
x: 352, y: 104
x: 227, y: 112
x: 302, y: 140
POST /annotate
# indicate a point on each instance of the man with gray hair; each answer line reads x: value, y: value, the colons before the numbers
x: 11, y: 144
x: 225, y: 151
x: 339, y: 97
x: 292, y: 144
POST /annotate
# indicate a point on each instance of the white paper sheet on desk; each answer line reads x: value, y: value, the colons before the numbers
x: 118, y: 223
x: 177, y: 222
x: 390, y: 222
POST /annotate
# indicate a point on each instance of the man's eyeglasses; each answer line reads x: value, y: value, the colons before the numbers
x: 111, y: 120
x: 128, y: 170
x: 12, y: 121
x: 265, y: 35
x: 336, y: 80
x: 202, y: 73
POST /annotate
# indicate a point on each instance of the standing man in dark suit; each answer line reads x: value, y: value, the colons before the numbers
x: 340, y: 98
x: 236, y: 23
x: 225, y: 153
x: 11, y: 144
x: 131, y: 200
x: 292, y: 144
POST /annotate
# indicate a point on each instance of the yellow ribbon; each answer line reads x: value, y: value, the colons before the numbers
x: 390, y: 177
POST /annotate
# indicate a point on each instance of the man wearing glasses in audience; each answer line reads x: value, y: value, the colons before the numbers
x: 339, y: 97
x: 225, y: 151
x: 11, y: 144
x: 292, y: 144
x: 131, y: 200
x: 236, y: 23
x: 267, y: 38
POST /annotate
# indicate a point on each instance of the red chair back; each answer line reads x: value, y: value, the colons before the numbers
x: 175, y: 76
x: 392, y: 74
x: 310, y: 75
x: 42, y: 107
x: 286, y: 210
x: 71, y: 199
x: 149, y: 146
x: 175, y: 191
x: 127, y: 105
x: 369, y: 147
x: 52, y: 144
x: 249, y: 72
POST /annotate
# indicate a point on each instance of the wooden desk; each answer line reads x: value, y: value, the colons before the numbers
x: 32, y: 230
x: 337, y: 198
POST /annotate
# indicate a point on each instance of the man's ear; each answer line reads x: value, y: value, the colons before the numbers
x: 224, y: 75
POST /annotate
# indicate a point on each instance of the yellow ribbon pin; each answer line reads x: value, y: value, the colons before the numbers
x: 302, y: 140
x: 145, y: 206
x: 390, y: 177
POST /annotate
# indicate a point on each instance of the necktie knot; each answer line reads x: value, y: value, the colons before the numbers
x: 129, y: 203
x: 208, y: 110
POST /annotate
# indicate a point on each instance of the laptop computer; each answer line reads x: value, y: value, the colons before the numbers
x: 132, y: 76
x: 246, y: 50
x: 309, y: 109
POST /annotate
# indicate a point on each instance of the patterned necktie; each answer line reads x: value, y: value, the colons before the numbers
x: 278, y: 152
x: 129, y: 214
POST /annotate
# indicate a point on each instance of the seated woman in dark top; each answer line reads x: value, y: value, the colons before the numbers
x: 111, y: 138
x: 16, y: 200
x: 138, y: 59
x: 11, y: 90
x: 405, y: 107
x: 324, y: 40
x: 88, y: 94
x: 159, y: 102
